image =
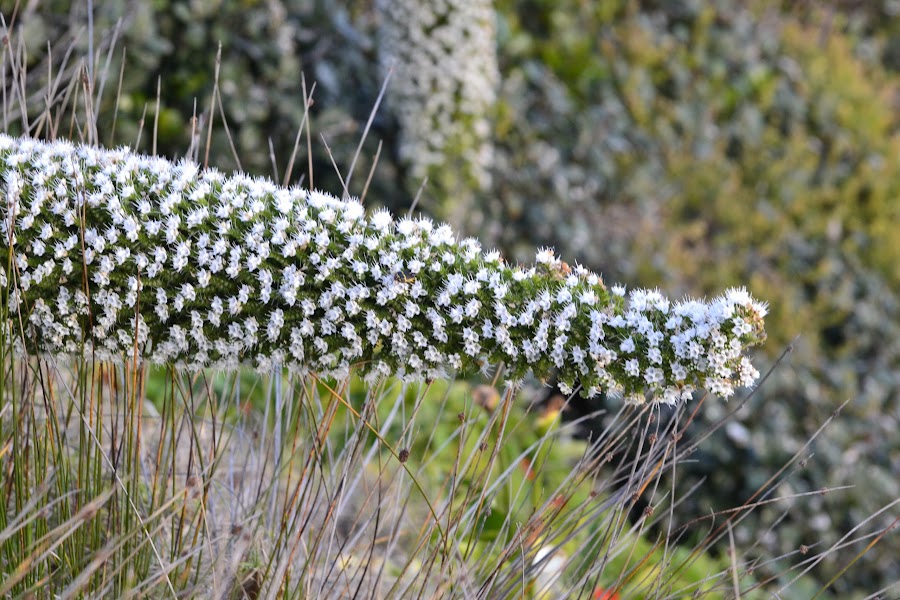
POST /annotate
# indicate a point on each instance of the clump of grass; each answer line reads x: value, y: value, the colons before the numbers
x: 292, y: 485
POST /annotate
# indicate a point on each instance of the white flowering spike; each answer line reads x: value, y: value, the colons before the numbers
x: 105, y: 253
x: 443, y: 54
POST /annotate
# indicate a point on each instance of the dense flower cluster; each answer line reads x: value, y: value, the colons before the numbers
x: 109, y: 252
x: 444, y: 57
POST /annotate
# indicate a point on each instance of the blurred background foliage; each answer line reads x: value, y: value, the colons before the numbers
x: 682, y: 144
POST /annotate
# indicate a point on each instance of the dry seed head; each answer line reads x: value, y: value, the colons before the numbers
x: 486, y: 397
x: 88, y: 511
x: 559, y: 501
x: 556, y: 403
x: 193, y: 487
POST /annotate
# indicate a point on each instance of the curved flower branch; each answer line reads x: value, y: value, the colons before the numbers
x: 108, y: 253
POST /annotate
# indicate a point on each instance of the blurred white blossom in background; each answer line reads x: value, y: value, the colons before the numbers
x: 442, y: 91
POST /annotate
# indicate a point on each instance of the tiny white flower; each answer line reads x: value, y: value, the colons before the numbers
x: 633, y: 367
x: 380, y: 220
x: 544, y: 256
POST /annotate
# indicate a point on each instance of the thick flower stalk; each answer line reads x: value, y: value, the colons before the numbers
x: 109, y: 253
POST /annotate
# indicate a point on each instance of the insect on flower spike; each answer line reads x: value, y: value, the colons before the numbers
x: 208, y: 270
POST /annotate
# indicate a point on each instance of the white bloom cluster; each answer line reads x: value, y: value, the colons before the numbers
x: 445, y: 80
x: 108, y: 253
